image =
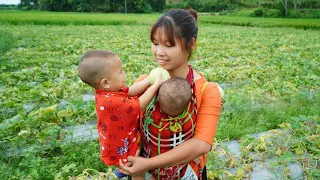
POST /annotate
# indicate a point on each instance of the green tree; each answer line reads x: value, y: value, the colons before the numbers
x: 116, y: 5
x: 157, y: 5
x: 28, y: 4
x: 284, y: 4
x: 54, y: 5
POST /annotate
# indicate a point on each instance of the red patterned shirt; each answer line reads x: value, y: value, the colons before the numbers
x: 117, y: 125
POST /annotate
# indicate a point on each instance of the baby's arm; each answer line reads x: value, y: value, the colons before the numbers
x: 146, y: 97
x: 139, y: 87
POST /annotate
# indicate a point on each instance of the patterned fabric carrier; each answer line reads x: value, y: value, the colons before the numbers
x: 162, y: 133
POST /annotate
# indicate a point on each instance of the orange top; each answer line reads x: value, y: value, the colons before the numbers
x: 209, y: 105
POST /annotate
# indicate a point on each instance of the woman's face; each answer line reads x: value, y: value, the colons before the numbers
x: 167, y: 56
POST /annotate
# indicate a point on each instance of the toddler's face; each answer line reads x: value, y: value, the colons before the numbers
x: 117, y: 78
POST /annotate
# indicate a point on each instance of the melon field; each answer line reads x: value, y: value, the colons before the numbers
x: 269, y: 70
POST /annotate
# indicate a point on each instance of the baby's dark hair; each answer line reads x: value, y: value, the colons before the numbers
x: 174, y: 96
x: 177, y: 23
x: 92, y: 66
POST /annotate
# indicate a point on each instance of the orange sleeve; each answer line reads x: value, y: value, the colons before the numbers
x: 208, y: 112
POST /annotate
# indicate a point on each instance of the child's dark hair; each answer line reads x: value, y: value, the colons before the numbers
x: 178, y: 23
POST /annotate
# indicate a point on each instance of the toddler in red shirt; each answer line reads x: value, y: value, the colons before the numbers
x: 117, y: 105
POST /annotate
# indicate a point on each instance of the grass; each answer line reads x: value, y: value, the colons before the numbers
x: 274, y: 151
x: 6, y: 40
x: 270, y: 76
x: 263, y: 22
x: 71, y: 18
x: 264, y: 71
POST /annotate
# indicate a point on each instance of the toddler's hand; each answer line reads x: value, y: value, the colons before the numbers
x: 159, y: 81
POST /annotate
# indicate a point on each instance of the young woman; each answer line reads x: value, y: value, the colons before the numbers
x: 175, y: 148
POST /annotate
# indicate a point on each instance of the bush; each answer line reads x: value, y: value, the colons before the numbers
x: 6, y: 40
x: 203, y: 5
x: 308, y: 13
x: 301, y: 13
x: 273, y: 13
x: 262, y: 12
x: 258, y: 12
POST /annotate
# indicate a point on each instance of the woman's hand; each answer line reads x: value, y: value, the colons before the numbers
x: 139, y: 166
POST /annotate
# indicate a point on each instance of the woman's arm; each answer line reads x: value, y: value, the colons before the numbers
x: 208, y: 113
x: 184, y: 153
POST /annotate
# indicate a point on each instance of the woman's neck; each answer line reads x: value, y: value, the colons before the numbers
x: 181, y: 71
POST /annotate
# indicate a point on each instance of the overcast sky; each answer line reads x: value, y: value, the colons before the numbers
x: 9, y: 1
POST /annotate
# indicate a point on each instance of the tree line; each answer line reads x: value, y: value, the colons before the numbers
x: 283, y: 6
x: 105, y: 6
x: 146, y: 6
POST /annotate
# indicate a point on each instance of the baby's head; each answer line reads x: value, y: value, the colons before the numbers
x: 174, y: 96
x: 101, y: 69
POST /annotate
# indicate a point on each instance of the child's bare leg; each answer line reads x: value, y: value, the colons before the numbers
x: 138, y: 178
x: 143, y: 178
x: 148, y: 176
x: 151, y: 178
